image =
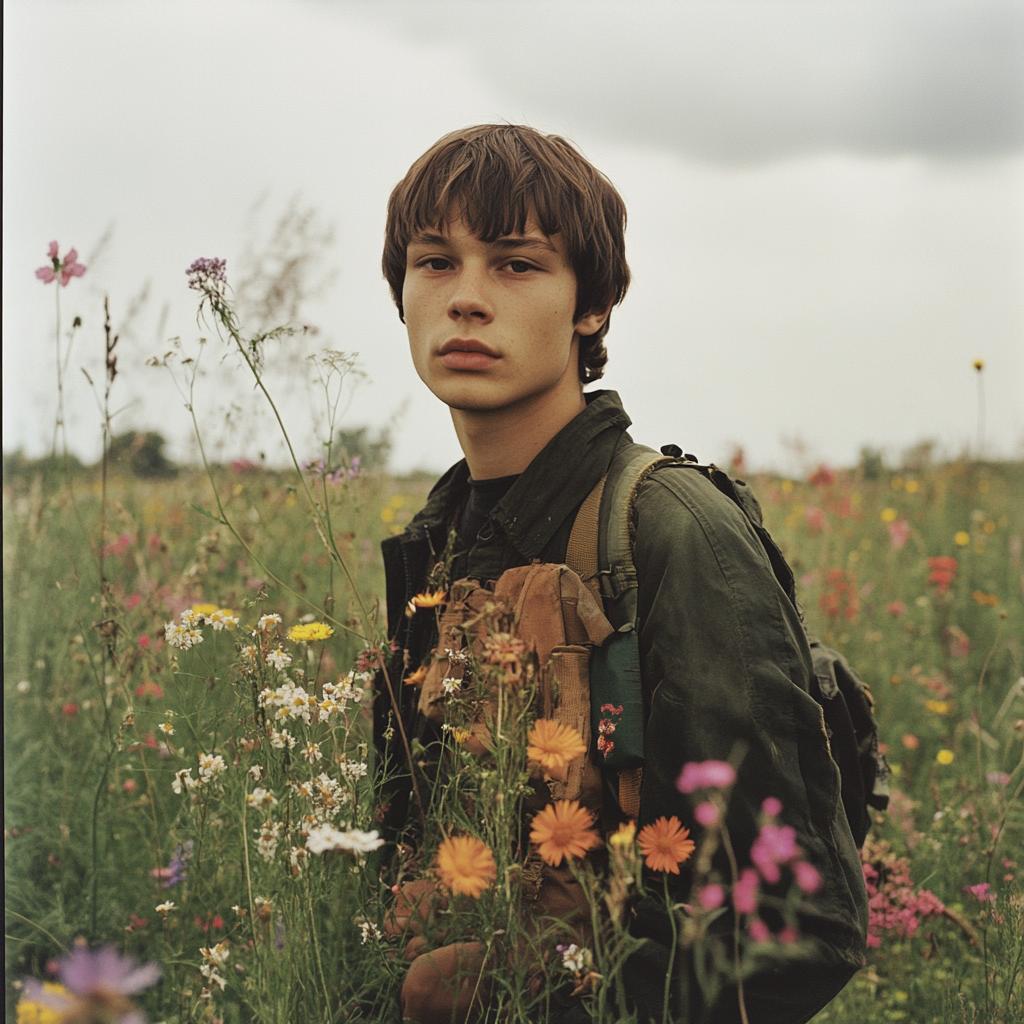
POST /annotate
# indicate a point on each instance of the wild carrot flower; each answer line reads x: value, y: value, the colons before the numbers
x: 553, y: 744
x: 563, y: 830
x: 64, y: 269
x: 705, y: 775
x: 465, y: 865
x: 97, y: 983
x: 310, y: 632
x: 665, y: 844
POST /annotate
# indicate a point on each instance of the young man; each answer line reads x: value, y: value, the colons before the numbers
x: 505, y: 255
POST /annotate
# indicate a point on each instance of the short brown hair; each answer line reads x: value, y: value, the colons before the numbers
x: 494, y: 176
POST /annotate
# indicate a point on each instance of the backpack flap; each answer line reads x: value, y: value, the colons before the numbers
x: 616, y: 702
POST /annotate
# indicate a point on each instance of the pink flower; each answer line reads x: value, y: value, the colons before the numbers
x: 759, y: 931
x: 705, y: 775
x: 807, y: 876
x: 998, y: 778
x: 65, y: 269
x: 815, y: 519
x: 775, y: 845
x: 70, y: 710
x: 744, y: 892
x: 772, y: 807
x: 131, y: 602
x: 981, y: 892
x: 129, y: 786
x: 706, y: 814
x: 899, y: 532
x: 711, y: 896
x: 896, y: 609
x: 788, y: 936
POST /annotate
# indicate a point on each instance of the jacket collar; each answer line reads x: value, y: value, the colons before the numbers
x: 550, y: 488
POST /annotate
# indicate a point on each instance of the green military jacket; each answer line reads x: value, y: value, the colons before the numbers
x: 724, y: 660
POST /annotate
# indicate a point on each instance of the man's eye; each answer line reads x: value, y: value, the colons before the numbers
x: 519, y: 266
x: 437, y: 263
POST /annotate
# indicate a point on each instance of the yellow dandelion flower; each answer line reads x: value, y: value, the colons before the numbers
x: 944, y: 756
x: 563, y: 829
x: 622, y: 838
x: 553, y: 744
x: 465, y: 866
x: 204, y: 609
x: 665, y: 844
x: 310, y: 632
x: 962, y: 538
x: 32, y: 1012
x: 889, y: 515
x: 460, y: 735
x: 426, y: 600
x: 940, y: 707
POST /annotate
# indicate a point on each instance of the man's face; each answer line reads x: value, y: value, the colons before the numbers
x: 491, y: 323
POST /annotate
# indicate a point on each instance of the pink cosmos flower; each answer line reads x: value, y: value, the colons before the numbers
x: 711, y: 896
x: 899, y: 533
x: 98, y: 980
x: 807, y: 876
x: 775, y: 845
x: 706, y: 814
x: 65, y: 269
x: 980, y: 891
x: 744, y: 892
x: 705, y: 775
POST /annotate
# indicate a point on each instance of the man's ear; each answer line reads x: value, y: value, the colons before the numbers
x: 592, y: 322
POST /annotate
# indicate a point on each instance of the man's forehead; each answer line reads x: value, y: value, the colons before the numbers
x: 445, y: 234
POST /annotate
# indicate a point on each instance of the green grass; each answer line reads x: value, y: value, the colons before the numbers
x: 90, y: 810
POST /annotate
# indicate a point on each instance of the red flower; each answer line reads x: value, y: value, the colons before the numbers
x: 148, y: 689
x: 823, y: 476
x: 943, y: 572
x: 70, y: 710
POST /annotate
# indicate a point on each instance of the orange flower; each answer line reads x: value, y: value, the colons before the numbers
x: 553, y: 744
x: 465, y: 865
x: 563, y: 829
x: 665, y: 844
x: 416, y: 679
x: 426, y: 600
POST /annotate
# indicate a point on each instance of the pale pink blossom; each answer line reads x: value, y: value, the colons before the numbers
x: 705, y: 775
x: 807, y: 876
x: 899, y: 533
x: 772, y: 807
x: 65, y: 269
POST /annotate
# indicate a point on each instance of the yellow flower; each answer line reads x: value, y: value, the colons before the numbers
x: 460, y: 735
x: 552, y: 744
x: 889, y: 515
x: 204, y: 609
x: 417, y: 677
x: 31, y: 1012
x: 912, y: 487
x: 563, y: 829
x: 944, y: 756
x: 980, y: 597
x: 310, y: 632
x: 962, y: 537
x: 940, y: 707
x: 665, y: 844
x: 426, y: 600
x: 787, y: 486
x: 622, y: 838
x: 465, y: 865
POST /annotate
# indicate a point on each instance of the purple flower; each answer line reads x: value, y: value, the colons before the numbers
x: 65, y: 269
x: 207, y: 274
x: 100, y: 979
x: 705, y: 775
x: 177, y: 870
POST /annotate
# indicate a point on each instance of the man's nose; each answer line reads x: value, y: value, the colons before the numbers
x: 469, y: 299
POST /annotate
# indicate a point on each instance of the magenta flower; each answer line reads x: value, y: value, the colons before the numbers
x: 65, y: 269
x: 775, y: 845
x: 807, y: 876
x: 772, y: 807
x: 706, y: 814
x: 744, y: 892
x: 759, y: 931
x: 206, y: 275
x: 711, y: 896
x: 705, y: 775
x: 99, y: 980
x: 899, y: 533
x: 981, y: 892
x: 788, y: 936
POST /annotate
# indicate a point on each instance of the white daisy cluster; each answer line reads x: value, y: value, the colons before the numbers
x: 269, y: 834
x: 326, y: 798
x: 267, y: 624
x: 278, y: 659
x: 221, y: 619
x: 214, y: 957
x: 261, y: 797
x: 291, y: 701
x: 368, y: 931
x: 210, y: 766
x: 326, y: 837
x: 348, y: 688
x: 282, y: 740
x: 352, y: 771
x: 183, y: 781
x: 312, y: 753
x: 186, y: 633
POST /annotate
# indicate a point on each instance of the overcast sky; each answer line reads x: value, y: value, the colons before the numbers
x: 826, y: 203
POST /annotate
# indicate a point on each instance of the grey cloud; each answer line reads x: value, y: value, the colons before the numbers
x: 749, y: 81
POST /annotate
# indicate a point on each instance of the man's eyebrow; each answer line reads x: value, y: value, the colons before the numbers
x: 523, y: 242
x: 428, y: 238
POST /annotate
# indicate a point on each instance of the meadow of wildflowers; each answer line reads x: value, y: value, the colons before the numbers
x: 192, y: 828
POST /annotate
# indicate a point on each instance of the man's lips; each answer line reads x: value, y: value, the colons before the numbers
x: 467, y: 354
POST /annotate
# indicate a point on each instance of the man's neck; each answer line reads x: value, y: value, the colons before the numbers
x: 503, y: 442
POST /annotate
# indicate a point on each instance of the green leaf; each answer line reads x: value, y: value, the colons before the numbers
x: 209, y: 515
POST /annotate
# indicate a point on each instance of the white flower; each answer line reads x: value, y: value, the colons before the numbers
x: 369, y: 931
x: 165, y: 908
x: 312, y: 753
x: 181, y: 636
x: 255, y: 772
x: 352, y: 770
x: 260, y: 797
x: 24, y: 686
x: 267, y: 623
x: 297, y: 857
x: 450, y: 685
x: 241, y: 912
x: 282, y: 739
x: 218, y: 955
x: 576, y: 959
x: 210, y: 972
x: 183, y: 780
x: 166, y: 728
x: 279, y: 659
x: 326, y: 837
x: 191, y: 619
x: 210, y: 766
x: 267, y: 842
x: 221, y: 619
